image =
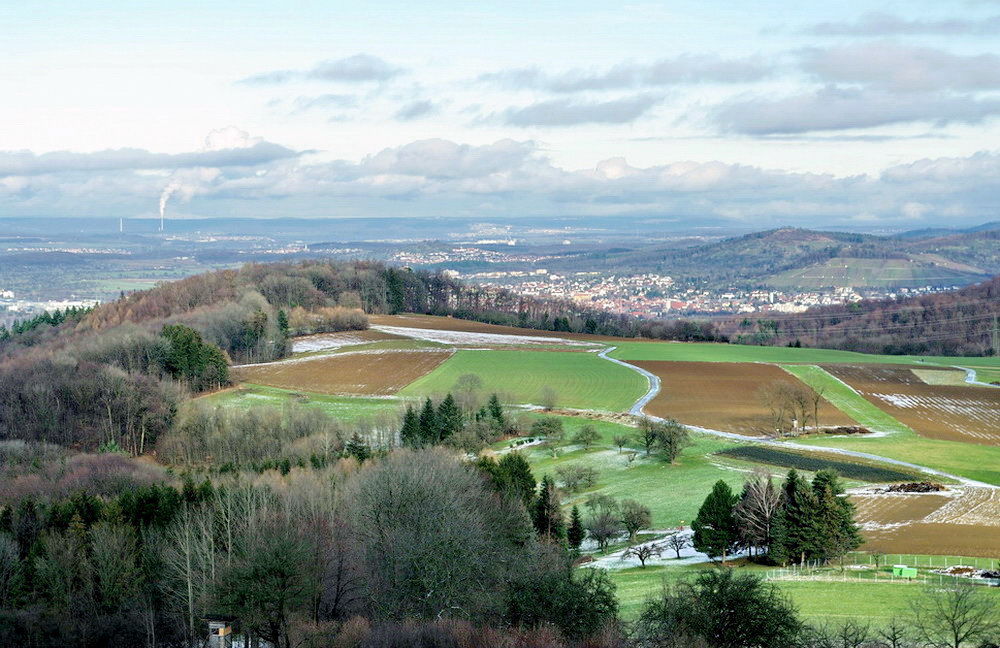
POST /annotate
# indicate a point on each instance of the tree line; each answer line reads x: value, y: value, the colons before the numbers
x: 797, y: 522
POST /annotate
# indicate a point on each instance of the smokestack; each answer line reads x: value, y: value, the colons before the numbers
x: 121, y: 225
x: 165, y: 196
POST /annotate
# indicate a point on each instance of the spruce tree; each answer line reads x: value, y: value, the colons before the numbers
x: 715, y: 530
x: 428, y: 424
x: 495, y: 410
x: 795, y: 534
x: 410, y: 435
x: 449, y: 417
x: 357, y: 448
x: 548, y: 517
x: 514, y: 474
x: 834, y: 524
x: 576, y: 532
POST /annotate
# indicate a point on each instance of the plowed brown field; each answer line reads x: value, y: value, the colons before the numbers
x: 951, y: 412
x: 365, y: 373
x: 962, y: 523
x: 722, y: 395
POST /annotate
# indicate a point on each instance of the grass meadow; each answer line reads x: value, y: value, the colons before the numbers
x: 581, y: 380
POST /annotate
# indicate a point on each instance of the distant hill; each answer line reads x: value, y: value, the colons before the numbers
x: 953, y: 323
x: 792, y: 258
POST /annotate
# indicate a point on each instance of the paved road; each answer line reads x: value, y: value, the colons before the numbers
x: 654, y: 389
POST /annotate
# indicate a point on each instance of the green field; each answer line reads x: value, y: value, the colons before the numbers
x: 580, y: 380
x: 346, y: 409
x: 831, y: 600
x: 714, y: 352
x: 876, y: 273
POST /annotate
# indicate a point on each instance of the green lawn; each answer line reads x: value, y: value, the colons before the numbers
x: 817, y: 601
x: 346, y: 409
x: 711, y: 352
x: 580, y: 380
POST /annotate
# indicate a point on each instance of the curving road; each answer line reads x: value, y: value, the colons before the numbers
x: 654, y: 389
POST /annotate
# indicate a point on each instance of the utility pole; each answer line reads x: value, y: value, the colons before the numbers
x: 995, y: 337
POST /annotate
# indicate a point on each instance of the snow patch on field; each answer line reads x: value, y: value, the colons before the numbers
x: 464, y: 338
x: 326, y: 342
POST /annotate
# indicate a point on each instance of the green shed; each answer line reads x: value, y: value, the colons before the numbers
x: 903, y: 571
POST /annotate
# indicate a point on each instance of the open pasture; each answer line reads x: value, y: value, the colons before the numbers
x: 950, y: 412
x: 342, y: 408
x: 367, y: 373
x: 722, y: 396
x: 579, y: 380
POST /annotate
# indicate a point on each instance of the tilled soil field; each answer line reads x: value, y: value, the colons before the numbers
x: 949, y: 412
x: 962, y: 522
x: 366, y: 373
x: 722, y: 395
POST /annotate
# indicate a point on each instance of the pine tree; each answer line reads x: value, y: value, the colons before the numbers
x: 715, y: 530
x: 449, y: 417
x: 410, y: 435
x: 795, y: 532
x: 548, y: 517
x: 428, y: 424
x: 283, y: 322
x: 576, y: 532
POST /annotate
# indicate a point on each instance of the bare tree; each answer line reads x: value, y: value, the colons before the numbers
x: 955, y: 615
x: 643, y: 552
x: 635, y: 516
x: 678, y: 542
x: 621, y: 440
x: 604, y: 527
x: 894, y: 634
x: 759, y: 503
x: 548, y: 398
x: 648, y: 434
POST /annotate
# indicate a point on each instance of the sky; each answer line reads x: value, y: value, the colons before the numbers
x: 767, y: 113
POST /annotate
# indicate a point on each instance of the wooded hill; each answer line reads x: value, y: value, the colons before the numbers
x: 791, y: 257
x: 953, y: 323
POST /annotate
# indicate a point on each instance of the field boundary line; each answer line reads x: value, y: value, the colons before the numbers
x: 654, y: 389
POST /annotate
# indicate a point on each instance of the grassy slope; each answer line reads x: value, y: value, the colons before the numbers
x: 672, y: 492
x: 708, y: 352
x: 853, y: 272
x: 581, y: 380
x: 347, y: 409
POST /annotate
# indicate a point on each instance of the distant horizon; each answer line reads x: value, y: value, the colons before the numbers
x: 857, y: 115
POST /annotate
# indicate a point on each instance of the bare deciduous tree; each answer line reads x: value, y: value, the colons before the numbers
x: 643, y: 552
x: 759, y: 503
x: 678, y: 542
x: 955, y: 615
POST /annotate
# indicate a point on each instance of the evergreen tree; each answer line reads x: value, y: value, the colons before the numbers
x: 515, y: 474
x: 576, y: 532
x: 495, y: 410
x: 357, y: 448
x: 283, y: 322
x: 428, y: 424
x: 410, y: 434
x: 836, y: 531
x: 715, y: 530
x: 795, y: 532
x: 548, y: 517
x: 449, y: 417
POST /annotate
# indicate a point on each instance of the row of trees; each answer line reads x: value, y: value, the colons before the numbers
x: 798, y: 522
